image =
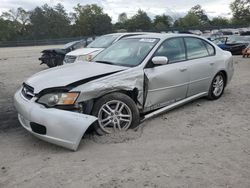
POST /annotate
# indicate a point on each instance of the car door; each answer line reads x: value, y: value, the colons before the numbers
x: 167, y: 83
x: 200, y: 64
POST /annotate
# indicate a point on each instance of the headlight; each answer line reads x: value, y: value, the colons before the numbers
x: 89, y: 57
x: 81, y: 58
x: 85, y: 58
x: 54, y: 99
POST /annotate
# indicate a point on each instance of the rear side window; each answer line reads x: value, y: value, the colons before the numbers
x: 195, y: 48
x: 173, y: 49
x: 210, y: 48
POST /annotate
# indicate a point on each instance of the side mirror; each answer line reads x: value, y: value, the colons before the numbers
x: 160, y: 60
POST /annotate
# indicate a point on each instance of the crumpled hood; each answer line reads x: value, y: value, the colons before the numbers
x: 84, y: 51
x: 68, y: 74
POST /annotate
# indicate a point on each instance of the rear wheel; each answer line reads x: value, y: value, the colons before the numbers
x: 217, y: 86
x: 115, y: 112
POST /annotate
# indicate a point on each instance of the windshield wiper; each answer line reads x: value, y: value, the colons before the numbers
x: 105, y: 62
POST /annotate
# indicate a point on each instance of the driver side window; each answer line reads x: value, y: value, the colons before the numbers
x: 173, y: 49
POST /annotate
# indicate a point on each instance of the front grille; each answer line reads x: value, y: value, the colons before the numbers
x: 69, y: 59
x: 28, y: 91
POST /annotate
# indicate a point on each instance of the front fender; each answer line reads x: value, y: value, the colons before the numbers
x: 123, y: 81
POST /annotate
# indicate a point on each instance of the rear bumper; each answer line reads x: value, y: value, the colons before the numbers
x: 63, y: 128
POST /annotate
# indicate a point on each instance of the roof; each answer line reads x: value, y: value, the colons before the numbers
x: 129, y: 33
x: 164, y: 35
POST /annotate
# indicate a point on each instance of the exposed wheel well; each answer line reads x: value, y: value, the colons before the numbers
x: 133, y: 94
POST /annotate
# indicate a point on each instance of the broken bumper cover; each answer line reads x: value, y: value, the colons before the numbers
x: 60, y: 127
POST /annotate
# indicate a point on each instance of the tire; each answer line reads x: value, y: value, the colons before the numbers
x: 114, y: 116
x: 217, y: 86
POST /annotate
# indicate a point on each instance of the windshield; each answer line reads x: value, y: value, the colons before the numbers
x: 127, y: 52
x: 103, y: 41
x: 69, y: 44
x: 221, y: 40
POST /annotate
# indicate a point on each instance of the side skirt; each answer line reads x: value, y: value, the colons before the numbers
x: 172, y: 106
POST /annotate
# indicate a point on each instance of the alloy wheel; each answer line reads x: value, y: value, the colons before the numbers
x: 114, y: 116
x: 218, y: 85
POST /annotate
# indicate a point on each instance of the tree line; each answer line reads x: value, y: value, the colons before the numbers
x: 48, y: 22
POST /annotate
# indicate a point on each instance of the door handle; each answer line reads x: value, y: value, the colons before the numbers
x: 211, y: 64
x: 183, y: 69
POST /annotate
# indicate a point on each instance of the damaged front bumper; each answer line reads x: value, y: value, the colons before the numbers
x: 60, y: 127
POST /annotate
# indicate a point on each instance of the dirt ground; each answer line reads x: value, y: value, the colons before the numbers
x: 202, y: 144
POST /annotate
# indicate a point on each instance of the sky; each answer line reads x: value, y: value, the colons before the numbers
x: 113, y: 8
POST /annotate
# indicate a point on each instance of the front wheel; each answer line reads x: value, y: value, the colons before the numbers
x: 115, y: 112
x: 217, y: 86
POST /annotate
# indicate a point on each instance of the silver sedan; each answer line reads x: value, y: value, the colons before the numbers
x: 132, y: 80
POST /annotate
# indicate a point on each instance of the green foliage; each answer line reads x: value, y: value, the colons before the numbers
x: 220, y: 21
x: 20, y: 15
x: 7, y: 30
x: 196, y: 17
x: 49, y: 22
x: 139, y: 22
x: 91, y: 20
x: 18, y: 20
x: 190, y: 20
x: 122, y: 18
x: 54, y: 22
x: 39, y: 23
x: 162, y: 22
x: 200, y: 13
x: 241, y: 12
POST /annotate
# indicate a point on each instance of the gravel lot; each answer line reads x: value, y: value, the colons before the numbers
x: 202, y: 144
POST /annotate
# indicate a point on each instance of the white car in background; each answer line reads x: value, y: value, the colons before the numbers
x: 95, y: 47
